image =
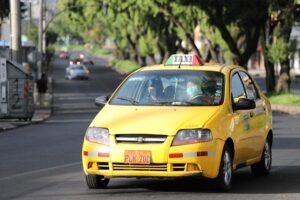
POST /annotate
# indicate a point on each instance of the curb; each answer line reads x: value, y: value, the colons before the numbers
x: 291, y: 110
x: 39, y: 116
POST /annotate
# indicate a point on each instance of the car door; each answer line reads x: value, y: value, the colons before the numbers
x: 242, y: 132
x: 258, y: 116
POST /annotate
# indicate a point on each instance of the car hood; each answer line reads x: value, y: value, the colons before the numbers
x: 152, y: 119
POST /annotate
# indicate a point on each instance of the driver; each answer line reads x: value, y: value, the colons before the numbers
x: 192, y: 89
x: 209, y: 89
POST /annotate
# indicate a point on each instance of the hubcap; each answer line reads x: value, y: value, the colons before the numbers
x: 227, y: 168
x: 267, y: 156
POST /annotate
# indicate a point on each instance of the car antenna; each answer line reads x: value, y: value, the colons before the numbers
x: 180, y: 63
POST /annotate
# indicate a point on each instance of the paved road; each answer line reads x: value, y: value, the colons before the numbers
x: 42, y: 161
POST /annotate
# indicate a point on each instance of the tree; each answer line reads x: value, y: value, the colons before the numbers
x: 279, y: 47
x: 31, y: 33
x: 4, y: 9
x: 239, y: 22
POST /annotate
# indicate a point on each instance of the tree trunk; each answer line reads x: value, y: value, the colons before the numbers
x: 269, y: 66
x: 189, y: 37
x: 118, y: 53
x: 284, y: 80
x: 166, y: 56
x: 143, y: 61
x: 162, y: 53
x: 134, y: 53
x: 152, y: 58
x: 270, y: 76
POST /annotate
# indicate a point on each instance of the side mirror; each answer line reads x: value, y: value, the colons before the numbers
x: 101, y: 101
x: 244, y: 104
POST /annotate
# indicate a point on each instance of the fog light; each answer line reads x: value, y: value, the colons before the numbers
x: 192, y: 167
x: 90, y: 165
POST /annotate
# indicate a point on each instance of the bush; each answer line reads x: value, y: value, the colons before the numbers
x: 284, y: 99
x: 126, y: 66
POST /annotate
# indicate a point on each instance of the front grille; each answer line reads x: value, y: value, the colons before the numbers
x: 103, y: 166
x: 140, y: 167
x: 178, y: 167
x: 140, y: 138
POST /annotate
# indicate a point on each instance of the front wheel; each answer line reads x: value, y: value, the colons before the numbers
x: 96, y: 181
x: 224, y: 180
x: 263, y: 167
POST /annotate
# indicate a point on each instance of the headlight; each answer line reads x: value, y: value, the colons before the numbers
x: 192, y: 136
x: 97, y: 135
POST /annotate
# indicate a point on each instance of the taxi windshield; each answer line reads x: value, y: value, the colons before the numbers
x: 171, y: 88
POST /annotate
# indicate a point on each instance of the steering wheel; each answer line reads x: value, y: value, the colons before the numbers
x: 200, y: 98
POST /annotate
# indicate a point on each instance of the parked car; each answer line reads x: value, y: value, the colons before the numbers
x: 76, y: 71
x: 181, y: 119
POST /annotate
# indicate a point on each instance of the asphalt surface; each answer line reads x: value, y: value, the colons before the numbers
x: 43, y: 161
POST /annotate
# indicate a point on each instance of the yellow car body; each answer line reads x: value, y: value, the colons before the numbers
x: 243, y: 131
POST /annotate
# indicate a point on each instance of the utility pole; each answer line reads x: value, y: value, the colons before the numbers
x: 15, y: 23
x: 40, y: 41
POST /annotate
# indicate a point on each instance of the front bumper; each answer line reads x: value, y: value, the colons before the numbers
x: 178, y: 161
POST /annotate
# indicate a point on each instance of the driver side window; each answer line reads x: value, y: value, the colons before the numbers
x: 237, y: 88
x: 249, y: 85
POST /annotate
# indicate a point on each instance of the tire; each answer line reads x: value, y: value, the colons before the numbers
x: 224, y: 179
x: 263, y: 167
x: 96, y: 181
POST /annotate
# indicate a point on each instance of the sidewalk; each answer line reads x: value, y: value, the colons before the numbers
x: 39, y: 116
x: 290, y: 110
x: 41, y: 112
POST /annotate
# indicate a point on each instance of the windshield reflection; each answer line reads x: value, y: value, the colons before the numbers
x: 171, y: 88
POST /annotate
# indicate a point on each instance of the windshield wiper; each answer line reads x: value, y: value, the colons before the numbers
x: 174, y: 102
x: 163, y: 102
x: 131, y: 100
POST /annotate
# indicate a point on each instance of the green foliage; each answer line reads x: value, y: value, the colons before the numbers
x: 142, y: 28
x: 239, y: 23
x: 125, y: 66
x: 31, y: 32
x: 280, y: 50
x: 284, y: 99
x: 50, y: 51
x: 51, y: 37
x: 98, y: 51
x: 146, y: 43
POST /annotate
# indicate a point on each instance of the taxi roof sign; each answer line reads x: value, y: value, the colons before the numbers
x: 184, y: 59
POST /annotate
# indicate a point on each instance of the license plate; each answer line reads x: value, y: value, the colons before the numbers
x: 137, y: 157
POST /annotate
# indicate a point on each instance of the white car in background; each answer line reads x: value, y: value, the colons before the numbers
x: 77, y: 71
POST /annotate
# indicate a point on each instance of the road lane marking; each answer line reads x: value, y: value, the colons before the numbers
x: 39, y: 171
x: 76, y: 111
x: 53, y: 121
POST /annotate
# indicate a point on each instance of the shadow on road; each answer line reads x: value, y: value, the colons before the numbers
x: 284, y: 179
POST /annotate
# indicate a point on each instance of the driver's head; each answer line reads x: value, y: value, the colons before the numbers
x: 209, y: 87
x: 192, y: 89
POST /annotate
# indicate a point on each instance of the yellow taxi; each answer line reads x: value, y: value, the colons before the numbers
x: 184, y: 118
